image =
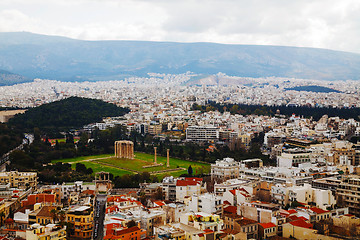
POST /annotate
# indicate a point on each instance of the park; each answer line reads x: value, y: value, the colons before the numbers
x: 142, y: 162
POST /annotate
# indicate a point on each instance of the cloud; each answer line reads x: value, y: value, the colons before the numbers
x: 329, y: 24
x: 14, y: 20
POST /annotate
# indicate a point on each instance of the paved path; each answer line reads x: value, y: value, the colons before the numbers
x: 111, y: 165
x: 88, y: 160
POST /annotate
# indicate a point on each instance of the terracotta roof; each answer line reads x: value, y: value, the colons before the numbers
x: 186, y: 183
x: 301, y: 223
x: 318, y: 210
x: 267, y: 225
x: 159, y: 203
x: 226, y: 202
x: 233, y: 191
x: 230, y: 209
x: 291, y: 211
x: 9, y: 220
x: 128, y: 230
x: 243, y: 190
x: 293, y: 217
x: 45, y: 211
x: 245, y: 195
x: 194, y: 179
x: 245, y: 221
x: 230, y: 231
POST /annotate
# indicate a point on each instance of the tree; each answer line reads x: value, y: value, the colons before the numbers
x: 190, y: 170
x: 131, y: 223
x: 81, y: 168
x: 54, y: 214
x: 295, y: 204
x: 21, y: 160
x: 62, y: 216
x: 158, y: 195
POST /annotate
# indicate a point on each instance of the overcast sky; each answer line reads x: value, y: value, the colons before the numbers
x: 332, y: 24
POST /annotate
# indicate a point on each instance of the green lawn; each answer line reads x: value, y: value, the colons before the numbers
x: 141, y: 159
x: 98, y: 168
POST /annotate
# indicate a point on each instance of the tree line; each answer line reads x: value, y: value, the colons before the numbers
x: 307, y: 111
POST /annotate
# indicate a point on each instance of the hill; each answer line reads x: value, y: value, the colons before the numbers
x: 8, y: 78
x: 313, y: 88
x: 51, y: 57
x: 68, y: 113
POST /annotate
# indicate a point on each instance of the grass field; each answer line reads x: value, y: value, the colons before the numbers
x: 100, y: 163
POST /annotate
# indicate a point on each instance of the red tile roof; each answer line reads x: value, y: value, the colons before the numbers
x: 230, y: 209
x: 233, y: 191
x: 128, y: 230
x: 291, y: 211
x: 159, y: 203
x: 194, y: 179
x: 267, y: 225
x: 294, y: 217
x: 301, y: 223
x: 226, y: 202
x: 318, y: 210
x: 186, y: 183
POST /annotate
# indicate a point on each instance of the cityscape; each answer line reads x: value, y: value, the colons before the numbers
x: 179, y: 120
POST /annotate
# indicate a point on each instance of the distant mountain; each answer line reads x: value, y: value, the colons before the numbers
x: 8, y: 78
x: 51, y: 57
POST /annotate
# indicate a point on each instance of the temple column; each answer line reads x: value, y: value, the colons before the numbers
x: 167, y: 157
x: 155, y: 154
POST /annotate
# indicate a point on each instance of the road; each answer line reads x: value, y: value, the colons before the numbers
x: 99, y: 216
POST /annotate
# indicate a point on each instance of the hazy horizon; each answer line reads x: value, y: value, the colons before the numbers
x: 324, y: 24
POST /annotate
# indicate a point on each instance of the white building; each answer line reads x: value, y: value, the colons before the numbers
x: 224, y: 169
x: 202, y: 133
x: 188, y: 187
x: 237, y: 196
x: 293, y: 157
x: 207, y: 202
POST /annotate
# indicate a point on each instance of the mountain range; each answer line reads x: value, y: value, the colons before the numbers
x: 52, y: 57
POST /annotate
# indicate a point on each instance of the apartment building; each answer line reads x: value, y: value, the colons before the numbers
x: 82, y: 219
x: 202, y: 133
x: 19, y: 179
x: 293, y: 157
x: 348, y: 194
x: 224, y: 169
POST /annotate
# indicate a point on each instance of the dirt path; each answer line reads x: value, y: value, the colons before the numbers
x: 88, y: 160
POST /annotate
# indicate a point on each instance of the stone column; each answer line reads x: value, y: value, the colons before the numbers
x: 120, y: 149
x: 132, y: 150
x: 168, y: 158
x: 155, y: 155
x: 128, y: 146
x: 126, y: 150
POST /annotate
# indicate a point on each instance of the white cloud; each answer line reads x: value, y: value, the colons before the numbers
x: 329, y: 24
